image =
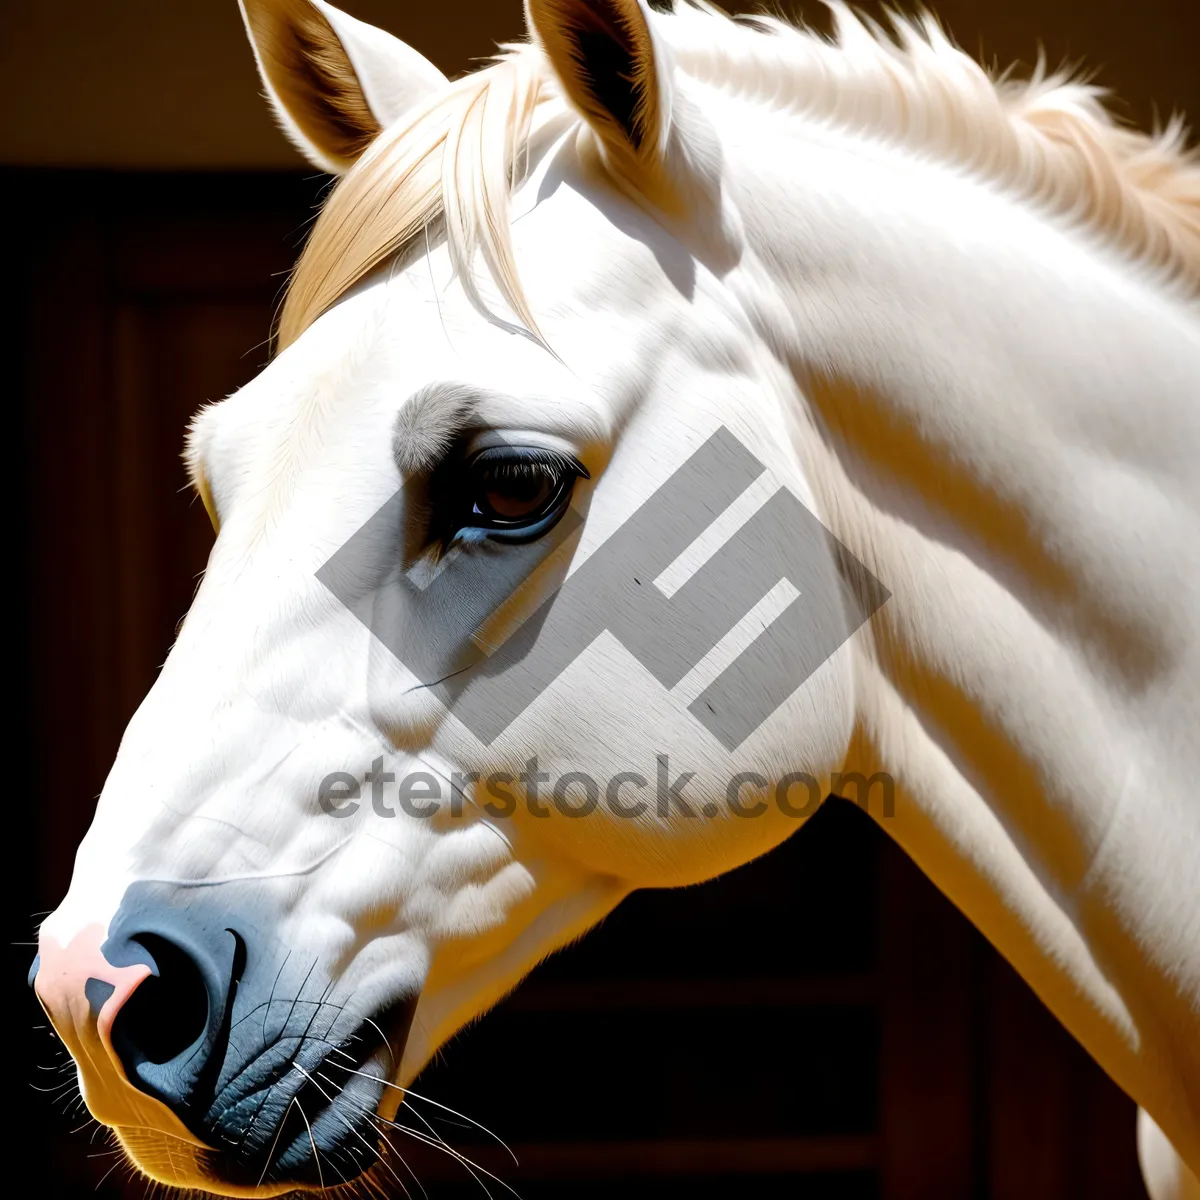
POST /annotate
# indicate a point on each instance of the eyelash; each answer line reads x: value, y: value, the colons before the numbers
x: 457, y: 489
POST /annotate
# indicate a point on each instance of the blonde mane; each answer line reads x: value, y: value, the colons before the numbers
x: 1047, y: 140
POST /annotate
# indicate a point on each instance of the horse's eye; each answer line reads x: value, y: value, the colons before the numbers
x: 514, y: 493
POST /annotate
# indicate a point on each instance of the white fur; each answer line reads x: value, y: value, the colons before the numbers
x: 839, y: 274
x: 395, y: 79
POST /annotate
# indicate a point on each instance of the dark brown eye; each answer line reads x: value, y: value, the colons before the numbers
x: 513, y: 493
x: 514, y: 499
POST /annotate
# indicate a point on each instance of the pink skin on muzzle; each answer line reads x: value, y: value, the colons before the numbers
x: 63, y: 973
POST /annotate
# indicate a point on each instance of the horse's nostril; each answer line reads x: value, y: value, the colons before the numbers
x: 167, y: 1012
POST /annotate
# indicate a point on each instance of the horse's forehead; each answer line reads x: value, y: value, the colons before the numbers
x: 365, y: 359
x: 604, y: 276
x: 400, y: 333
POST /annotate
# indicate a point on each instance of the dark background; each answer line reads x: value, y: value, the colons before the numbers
x: 821, y: 1023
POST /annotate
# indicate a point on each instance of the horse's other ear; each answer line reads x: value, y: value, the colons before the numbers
x: 605, y: 56
x: 333, y: 81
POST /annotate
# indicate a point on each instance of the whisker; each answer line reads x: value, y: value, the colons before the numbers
x: 271, y: 997
x: 311, y: 1141
x: 388, y: 1044
x: 351, y: 1129
x: 435, y: 1133
x: 271, y: 1152
x: 437, y: 1104
x: 442, y: 1145
x: 462, y: 1117
x: 296, y: 997
x: 107, y: 1174
x: 56, y: 1090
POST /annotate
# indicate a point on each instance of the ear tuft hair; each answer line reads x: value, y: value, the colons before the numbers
x: 335, y: 82
x: 604, y: 55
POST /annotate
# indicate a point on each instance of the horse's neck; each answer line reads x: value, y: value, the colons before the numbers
x: 1002, y: 422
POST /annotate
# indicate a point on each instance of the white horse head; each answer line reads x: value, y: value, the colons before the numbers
x: 518, y: 600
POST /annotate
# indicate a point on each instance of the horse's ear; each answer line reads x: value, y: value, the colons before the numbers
x: 333, y: 81
x: 605, y: 56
